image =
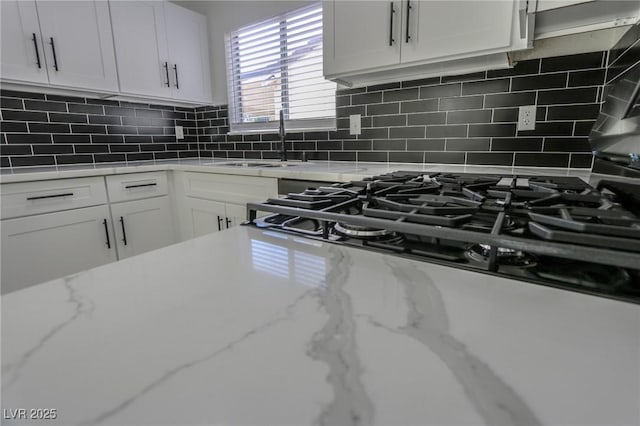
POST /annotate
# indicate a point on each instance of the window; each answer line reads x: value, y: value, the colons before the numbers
x: 277, y: 65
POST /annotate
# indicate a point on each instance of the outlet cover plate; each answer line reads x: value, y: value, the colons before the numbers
x: 527, y: 117
x: 179, y: 132
x: 355, y: 124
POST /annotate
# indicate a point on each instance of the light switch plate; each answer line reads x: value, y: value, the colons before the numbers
x: 179, y: 132
x: 355, y: 124
x: 527, y: 117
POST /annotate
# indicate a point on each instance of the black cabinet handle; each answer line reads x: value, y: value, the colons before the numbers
x: 106, y: 231
x: 42, y: 197
x: 409, y: 7
x: 228, y: 222
x: 219, y: 223
x: 166, y: 70
x: 35, y: 45
x: 53, y: 49
x: 393, y: 11
x: 124, y: 233
x: 140, y: 185
x: 175, y: 69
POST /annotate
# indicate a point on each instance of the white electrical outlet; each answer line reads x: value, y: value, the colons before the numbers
x: 355, y: 124
x: 179, y: 132
x: 527, y: 117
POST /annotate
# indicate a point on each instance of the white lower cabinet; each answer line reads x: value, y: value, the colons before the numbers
x: 54, y: 228
x: 205, y: 216
x: 142, y: 225
x: 49, y: 246
x: 202, y: 217
x: 210, y: 202
x: 59, y: 227
x: 236, y: 214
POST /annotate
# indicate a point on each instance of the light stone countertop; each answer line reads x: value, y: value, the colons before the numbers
x: 250, y: 327
x: 340, y: 171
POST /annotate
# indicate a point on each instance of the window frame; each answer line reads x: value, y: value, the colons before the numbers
x: 234, y: 79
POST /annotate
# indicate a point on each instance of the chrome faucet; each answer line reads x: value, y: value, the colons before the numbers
x: 283, y: 138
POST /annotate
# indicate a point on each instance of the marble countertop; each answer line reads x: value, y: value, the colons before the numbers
x: 248, y: 327
x: 317, y: 170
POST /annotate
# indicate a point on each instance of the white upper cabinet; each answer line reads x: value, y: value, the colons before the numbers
x: 140, y: 39
x: 564, y: 17
x: 189, y: 53
x: 450, y: 29
x: 65, y: 44
x: 78, y: 44
x: 555, y: 4
x: 361, y: 36
x: 22, y: 49
x: 162, y: 50
x: 369, y: 41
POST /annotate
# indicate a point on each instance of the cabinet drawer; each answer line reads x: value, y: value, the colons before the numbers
x: 29, y: 198
x: 229, y: 188
x: 135, y: 186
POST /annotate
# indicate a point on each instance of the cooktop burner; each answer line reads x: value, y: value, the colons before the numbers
x: 552, y: 230
x: 356, y: 231
x: 482, y: 253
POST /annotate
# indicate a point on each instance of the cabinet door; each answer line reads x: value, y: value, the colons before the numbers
x: 235, y: 214
x: 450, y: 29
x: 361, y: 35
x: 140, y: 40
x: 78, y: 44
x: 22, y: 50
x: 189, y: 54
x: 142, y: 225
x: 202, y: 217
x: 49, y: 246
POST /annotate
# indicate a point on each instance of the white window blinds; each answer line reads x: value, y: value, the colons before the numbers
x: 277, y: 64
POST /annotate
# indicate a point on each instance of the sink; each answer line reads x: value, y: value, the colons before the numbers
x: 252, y: 164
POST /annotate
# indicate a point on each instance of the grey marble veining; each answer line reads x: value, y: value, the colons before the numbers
x: 229, y: 347
x: 335, y: 344
x: 11, y: 371
x: 248, y: 327
x: 427, y: 322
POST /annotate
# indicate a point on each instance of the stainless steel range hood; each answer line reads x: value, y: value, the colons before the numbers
x: 615, y: 136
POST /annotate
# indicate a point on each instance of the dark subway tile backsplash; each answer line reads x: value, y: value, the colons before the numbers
x: 491, y: 158
x: 469, y: 119
x: 568, y: 96
x: 458, y: 119
x: 535, y: 159
x: 573, y: 62
x: 440, y: 91
x: 59, y: 130
x: 510, y: 100
x: 444, y: 157
x: 461, y: 103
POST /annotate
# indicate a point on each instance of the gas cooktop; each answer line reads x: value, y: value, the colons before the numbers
x: 550, y: 230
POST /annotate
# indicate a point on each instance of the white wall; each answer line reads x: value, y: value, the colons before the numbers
x: 225, y: 16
